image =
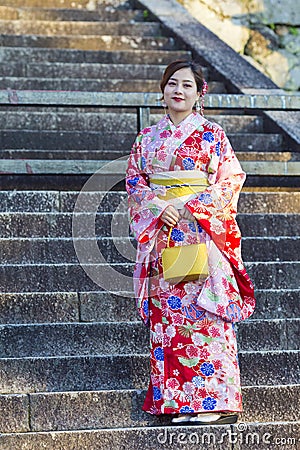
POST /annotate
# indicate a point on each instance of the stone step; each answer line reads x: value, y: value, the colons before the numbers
x: 268, y: 224
x: 121, y: 249
x: 276, y: 304
x: 131, y: 56
x: 115, y: 277
x: 106, y: 13
x: 112, y: 170
x: 43, y: 307
x: 90, y: 84
x: 285, y: 434
x: 78, y: 140
x: 70, y: 28
x: 259, y: 202
x: 114, y: 154
x: 81, y: 119
x: 85, y: 373
x: 117, y: 307
x: 86, y: 339
x: 59, y: 225
x: 267, y: 156
x: 258, y: 179
x: 90, y: 42
x: 82, y: 70
x: 108, y: 155
x: 101, y: 409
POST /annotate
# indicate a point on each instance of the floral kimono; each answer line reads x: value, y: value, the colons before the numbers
x: 193, y: 354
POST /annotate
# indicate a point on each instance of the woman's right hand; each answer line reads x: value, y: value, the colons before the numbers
x: 170, y: 216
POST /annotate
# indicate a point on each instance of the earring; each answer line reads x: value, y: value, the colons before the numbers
x: 198, y: 106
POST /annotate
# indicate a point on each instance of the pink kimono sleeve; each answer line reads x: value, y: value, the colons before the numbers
x: 215, y: 210
x: 226, y: 179
x: 145, y: 208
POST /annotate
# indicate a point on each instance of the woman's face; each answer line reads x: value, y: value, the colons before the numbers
x: 180, y: 93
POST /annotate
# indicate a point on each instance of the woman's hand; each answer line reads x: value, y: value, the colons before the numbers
x: 185, y: 214
x: 170, y: 216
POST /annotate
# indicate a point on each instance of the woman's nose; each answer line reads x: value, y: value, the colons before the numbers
x: 178, y: 89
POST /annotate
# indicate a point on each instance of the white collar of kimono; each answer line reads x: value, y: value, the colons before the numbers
x: 195, y: 117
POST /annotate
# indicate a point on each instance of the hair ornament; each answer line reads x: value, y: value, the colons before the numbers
x: 203, y: 92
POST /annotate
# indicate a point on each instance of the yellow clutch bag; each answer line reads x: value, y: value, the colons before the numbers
x: 186, y: 262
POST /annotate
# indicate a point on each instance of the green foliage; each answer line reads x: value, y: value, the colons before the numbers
x: 294, y: 31
x: 146, y: 14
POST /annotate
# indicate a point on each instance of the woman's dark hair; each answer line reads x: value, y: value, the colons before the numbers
x: 183, y: 64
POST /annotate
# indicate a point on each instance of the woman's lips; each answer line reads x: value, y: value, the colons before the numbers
x: 178, y: 99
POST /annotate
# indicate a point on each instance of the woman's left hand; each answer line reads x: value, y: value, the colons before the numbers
x: 185, y: 214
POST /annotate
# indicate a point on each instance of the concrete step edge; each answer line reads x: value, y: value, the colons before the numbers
x: 139, y: 355
x: 85, y: 400
x: 31, y: 166
x: 163, y: 434
x: 125, y: 293
x: 213, y: 101
x: 30, y: 13
x: 124, y: 214
x: 124, y: 238
x: 41, y: 340
x: 131, y: 265
x: 132, y: 323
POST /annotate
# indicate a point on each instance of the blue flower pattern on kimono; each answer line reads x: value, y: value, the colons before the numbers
x: 233, y: 311
x: 205, y: 198
x: 159, y: 354
x: 174, y: 302
x: 133, y: 181
x: 157, y: 395
x: 192, y: 227
x: 209, y: 403
x: 186, y: 410
x: 177, y: 235
x: 198, y: 381
x: 207, y: 369
x: 143, y: 162
x: 188, y: 163
x: 208, y: 136
x: 146, y: 307
x: 218, y: 148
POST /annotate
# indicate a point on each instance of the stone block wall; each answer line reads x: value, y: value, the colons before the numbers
x: 265, y: 32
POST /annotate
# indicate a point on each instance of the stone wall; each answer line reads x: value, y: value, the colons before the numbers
x: 265, y: 32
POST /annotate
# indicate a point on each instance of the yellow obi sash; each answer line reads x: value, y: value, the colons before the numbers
x: 180, y: 184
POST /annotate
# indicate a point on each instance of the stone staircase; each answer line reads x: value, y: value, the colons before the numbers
x: 73, y: 353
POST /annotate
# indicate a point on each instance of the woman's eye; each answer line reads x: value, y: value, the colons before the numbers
x: 187, y: 85
x: 171, y: 83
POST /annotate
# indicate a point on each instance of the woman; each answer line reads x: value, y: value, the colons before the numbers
x: 184, y: 178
